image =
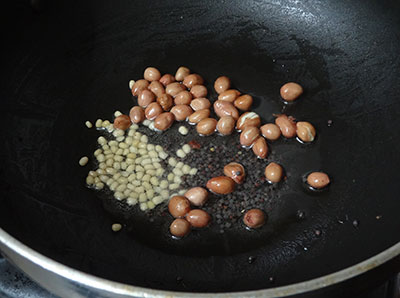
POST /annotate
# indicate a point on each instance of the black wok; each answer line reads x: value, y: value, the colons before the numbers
x: 64, y: 62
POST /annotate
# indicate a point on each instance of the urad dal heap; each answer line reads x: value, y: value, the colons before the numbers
x: 131, y: 166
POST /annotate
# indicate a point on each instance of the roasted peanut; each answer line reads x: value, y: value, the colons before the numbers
x: 165, y: 101
x: 182, y: 73
x: 305, y: 131
x: 183, y: 98
x: 206, y: 126
x: 164, y: 121
x: 225, y: 108
x: 199, y: 115
x: 197, y: 196
x: 179, y: 227
x: 174, y: 88
x: 248, y: 119
x: 273, y: 172
x: 157, y: 88
x: 221, y: 185
x: 318, y: 180
x: 193, y: 79
x: 167, y: 79
x: 178, y: 206
x: 139, y: 86
x: 153, y: 110
x: 122, y: 122
x: 198, y: 91
x: 145, y: 98
x: 260, y: 148
x: 243, y: 102
x: 254, y: 218
x: 291, y: 91
x: 222, y: 84
x: 229, y: 95
x: 235, y: 171
x: 249, y: 135
x: 200, y: 104
x: 151, y: 74
x: 137, y: 114
x: 226, y: 125
x: 270, y: 131
x: 181, y: 112
x: 286, y: 125
x: 198, y: 218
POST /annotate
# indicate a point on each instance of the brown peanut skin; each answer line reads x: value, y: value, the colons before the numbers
x: 198, y: 218
x: 151, y: 74
x: 291, y: 91
x: 122, y: 122
x: 221, y: 185
x: 139, y: 86
x: 318, y: 180
x: 164, y: 121
x: 181, y: 112
x: 199, y: 115
x: 136, y: 114
x: 226, y: 125
x: 193, y: 79
x: 206, y: 126
x: 222, y: 84
x: 243, y: 102
x: 182, y: 73
x: 179, y: 227
x: 287, y: 125
x: 270, y: 131
x: 178, y: 206
x: 254, y: 218
x: 273, y: 172
x: 225, y: 108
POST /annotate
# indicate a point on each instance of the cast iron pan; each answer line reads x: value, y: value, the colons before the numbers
x: 70, y: 61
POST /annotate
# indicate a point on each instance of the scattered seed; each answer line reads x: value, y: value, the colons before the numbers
x: 183, y: 130
x: 116, y: 227
x: 83, y: 161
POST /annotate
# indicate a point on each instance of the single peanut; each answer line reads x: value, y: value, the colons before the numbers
x: 260, y: 148
x: 229, y: 95
x: 286, y: 125
x: 305, y: 131
x: 139, y: 86
x: 249, y: 135
x: 153, y: 110
x: 291, y: 91
x: 151, y: 74
x: 243, y: 102
x: 164, y: 121
x: 273, y: 172
x: 198, y: 218
x: 145, y: 98
x: 181, y: 112
x: 270, y: 131
x: 254, y: 218
x: 183, y: 98
x: 200, y: 104
x: 122, y: 122
x: 318, y: 180
x: 206, y: 126
x: 165, y: 101
x: 199, y: 115
x: 136, y: 114
x: 225, y: 108
x: 248, y: 119
x: 182, y: 73
x: 197, y: 196
x: 235, y: 171
x: 226, y: 125
x: 222, y: 84
x: 198, y: 91
x: 157, y: 88
x: 221, y: 185
x: 174, y: 88
x: 167, y: 79
x: 193, y: 79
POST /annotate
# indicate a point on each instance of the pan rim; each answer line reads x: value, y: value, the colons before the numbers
x: 113, y: 287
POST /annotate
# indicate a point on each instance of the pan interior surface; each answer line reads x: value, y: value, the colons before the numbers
x: 67, y: 62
